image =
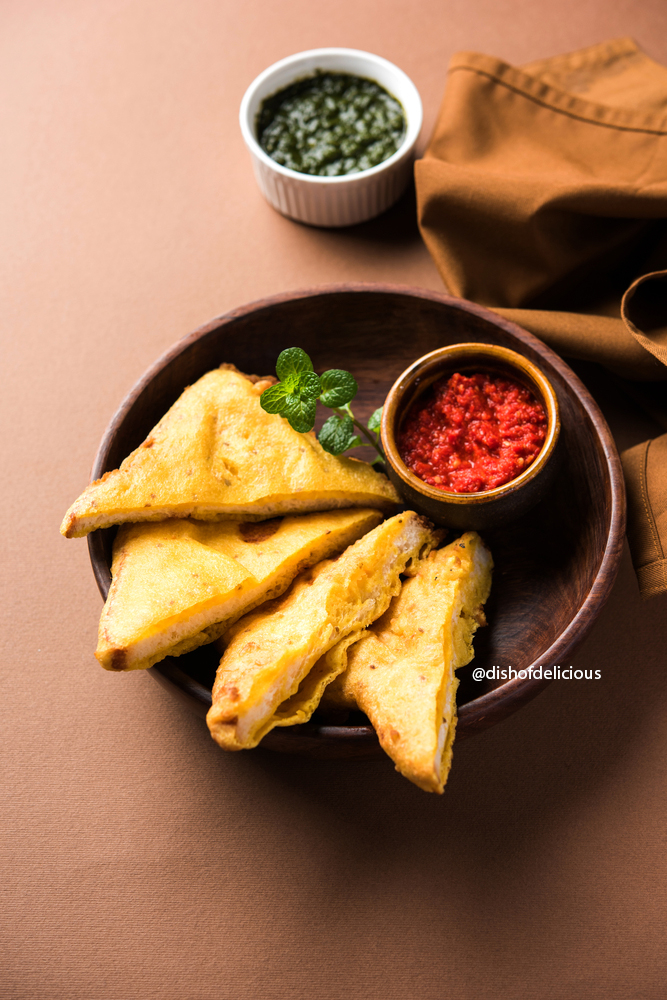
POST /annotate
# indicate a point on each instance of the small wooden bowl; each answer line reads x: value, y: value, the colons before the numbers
x: 553, y: 570
x: 490, y: 508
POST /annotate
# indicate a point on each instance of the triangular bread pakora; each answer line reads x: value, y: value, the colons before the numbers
x: 178, y: 584
x: 216, y: 454
x: 272, y: 650
x: 401, y: 671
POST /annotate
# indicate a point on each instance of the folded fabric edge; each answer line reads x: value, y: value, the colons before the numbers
x: 561, y: 101
x: 647, y: 505
x: 570, y: 335
x: 644, y: 312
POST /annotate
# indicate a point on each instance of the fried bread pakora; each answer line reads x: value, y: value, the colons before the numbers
x: 179, y: 584
x: 216, y: 455
x: 271, y: 651
x: 401, y: 672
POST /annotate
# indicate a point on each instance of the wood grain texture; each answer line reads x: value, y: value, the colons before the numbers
x: 554, y: 568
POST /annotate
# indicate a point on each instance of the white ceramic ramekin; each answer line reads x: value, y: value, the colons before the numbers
x: 332, y: 201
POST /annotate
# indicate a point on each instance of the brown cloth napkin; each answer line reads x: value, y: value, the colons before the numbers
x: 543, y: 195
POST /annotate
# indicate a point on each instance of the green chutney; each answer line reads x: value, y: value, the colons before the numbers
x: 331, y: 124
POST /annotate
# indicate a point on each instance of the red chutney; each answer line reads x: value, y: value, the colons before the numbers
x: 471, y: 433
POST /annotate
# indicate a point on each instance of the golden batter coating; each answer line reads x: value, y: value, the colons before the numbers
x: 401, y: 672
x: 216, y: 455
x: 178, y: 584
x: 270, y: 652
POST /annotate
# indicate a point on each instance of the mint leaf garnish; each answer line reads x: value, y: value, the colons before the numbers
x: 338, y: 388
x: 300, y: 413
x: 296, y: 395
x: 310, y: 385
x: 273, y: 399
x: 293, y: 361
x: 337, y: 435
x: 375, y: 419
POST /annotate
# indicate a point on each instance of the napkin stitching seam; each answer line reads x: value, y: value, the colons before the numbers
x: 649, y: 512
x: 553, y: 107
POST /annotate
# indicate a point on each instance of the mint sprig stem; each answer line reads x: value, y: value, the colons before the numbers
x: 296, y: 395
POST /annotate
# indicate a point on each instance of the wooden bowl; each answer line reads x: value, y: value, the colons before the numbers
x: 554, y: 569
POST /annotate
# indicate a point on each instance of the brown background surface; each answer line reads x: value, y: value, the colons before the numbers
x: 139, y: 860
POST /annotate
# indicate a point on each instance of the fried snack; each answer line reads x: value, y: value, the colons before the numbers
x: 271, y: 651
x: 401, y: 672
x: 178, y: 584
x: 301, y: 705
x: 216, y: 455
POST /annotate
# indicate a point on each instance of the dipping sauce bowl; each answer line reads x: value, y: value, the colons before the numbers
x: 349, y: 198
x: 491, y: 507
